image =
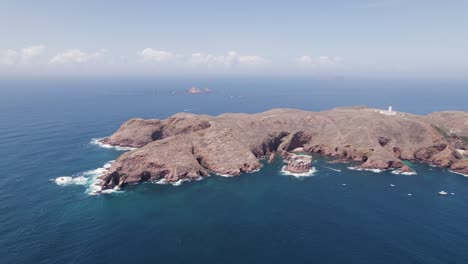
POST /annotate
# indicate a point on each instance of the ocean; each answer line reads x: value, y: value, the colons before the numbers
x: 336, y: 215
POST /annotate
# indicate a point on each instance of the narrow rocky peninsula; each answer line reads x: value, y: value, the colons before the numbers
x: 190, y: 146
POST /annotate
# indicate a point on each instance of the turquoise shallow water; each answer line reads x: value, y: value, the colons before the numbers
x: 45, y: 132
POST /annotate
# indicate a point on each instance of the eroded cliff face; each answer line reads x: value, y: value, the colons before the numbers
x: 188, y: 146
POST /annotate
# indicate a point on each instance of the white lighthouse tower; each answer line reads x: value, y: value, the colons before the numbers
x: 389, y: 112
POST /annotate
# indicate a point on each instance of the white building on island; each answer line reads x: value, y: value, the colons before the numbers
x: 389, y: 112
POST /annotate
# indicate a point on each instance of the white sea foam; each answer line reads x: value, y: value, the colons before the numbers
x: 63, y: 180
x: 68, y: 180
x: 80, y: 180
x: 361, y: 169
x: 254, y: 171
x: 229, y: 175
x: 337, y: 170
x: 94, y: 186
x: 90, y: 179
x: 223, y: 175
x: 97, y: 141
x: 176, y: 183
x: 161, y: 181
x: 311, y: 172
x: 466, y: 175
x: 398, y: 172
x: 108, y: 191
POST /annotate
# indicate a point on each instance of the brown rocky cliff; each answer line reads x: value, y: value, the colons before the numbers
x: 190, y: 146
x: 460, y: 166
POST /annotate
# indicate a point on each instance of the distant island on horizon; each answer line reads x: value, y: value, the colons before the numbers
x: 196, y: 90
x: 189, y: 146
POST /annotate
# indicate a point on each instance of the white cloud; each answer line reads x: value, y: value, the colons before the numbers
x: 76, y: 56
x: 24, y: 56
x: 153, y: 55
x: 28, y: 54
x: 207, y: 59
x: 8, y: 56
x: 325, y: 60
x: 305, y: 60
x: 320, y: 61
x: 252, y: 60
x: 231, y: 59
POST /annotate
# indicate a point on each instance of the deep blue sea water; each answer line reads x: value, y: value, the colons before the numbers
x: 45, y: 131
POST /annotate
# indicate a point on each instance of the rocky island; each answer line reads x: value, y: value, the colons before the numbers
x: 189, y: 146
x: 196, y: 90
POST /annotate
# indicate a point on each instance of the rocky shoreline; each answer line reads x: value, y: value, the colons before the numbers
x: 188, y: 146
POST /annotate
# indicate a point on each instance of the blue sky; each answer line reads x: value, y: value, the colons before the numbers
x: 360, y: 38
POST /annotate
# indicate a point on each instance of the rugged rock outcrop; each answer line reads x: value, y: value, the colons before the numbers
x: 138, y: 132
x: 406, y: 169
x: 134, y: 133
x: 188, y: 146
x: 460, y: 166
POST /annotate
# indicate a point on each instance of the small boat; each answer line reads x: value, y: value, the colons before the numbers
x: 443, y: 193
x: 392, y: 185
x: 409, y: 194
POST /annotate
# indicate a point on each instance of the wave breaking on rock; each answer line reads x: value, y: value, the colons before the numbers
x: 99, y: 142
x: 90, y: 179
x: 357, y: 168
x: 399, y: 172
x: 310, y: 173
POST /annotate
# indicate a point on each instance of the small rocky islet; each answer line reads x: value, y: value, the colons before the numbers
x: 190, y: 146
